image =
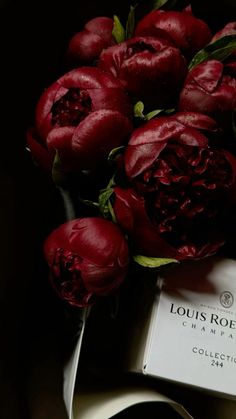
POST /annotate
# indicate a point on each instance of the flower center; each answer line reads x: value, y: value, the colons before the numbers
x: 71, y: 108
x: 67, y: 280
x: 186, y: 192
x: 138, y: 47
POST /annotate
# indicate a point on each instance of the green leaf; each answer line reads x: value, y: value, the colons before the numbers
x: 158, y: 4
x: 152, y: 114
x: 111, y: 211
x: 104, y: 196
x: 111, y: 182
x: 219, y: 50
x: 151, y: 262
x: 104, y: 203
x: 138, y: 110
x: 115, y: 152
x: 169, y: 111
x: 130, y: 24
x: 118, y: 30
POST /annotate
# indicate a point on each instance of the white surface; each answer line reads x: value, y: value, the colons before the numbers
x: 105, y: 404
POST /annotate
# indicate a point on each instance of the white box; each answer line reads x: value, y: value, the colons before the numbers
x: 189, y: 335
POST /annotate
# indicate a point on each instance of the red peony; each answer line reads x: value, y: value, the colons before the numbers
x: 86, y: 45
x: 187, y: 32
x: 88, y: 258
x: 210, y: 88
x: 151, y: 69
x: 182, y: 191
x: 82, y: 116
x: 229, y: 29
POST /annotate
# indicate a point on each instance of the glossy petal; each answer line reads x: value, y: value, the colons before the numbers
x: 88, y: 258
x: 130, y: 211
x: 150, y: 139
x: 149, y: 68
x: 210, y: 88
x: 40, y: 153
x: 182, y: 195
x: 66, y: 105
x: 187, y: 32
x: 85, y: 46
x: 97, y: 135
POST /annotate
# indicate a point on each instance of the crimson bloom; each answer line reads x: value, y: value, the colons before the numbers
x: 229, y: 29
x: 83, y: 115
x: 182, y: 191
x: 187, y: 32
x: 210, y: 88
x: 151, y: 69
x: 85, y: 46
x: 88, y: 258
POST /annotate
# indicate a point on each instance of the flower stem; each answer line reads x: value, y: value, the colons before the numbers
x: 68, y: 204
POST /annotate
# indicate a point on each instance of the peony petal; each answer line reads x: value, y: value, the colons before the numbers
x: 186, y: 31
x: 39, y: 152
x: 84, y: 47
x: 88, y: 257
x: 131, y: 215
x: 139, y: 158
x: 99, y: 242
x: 43, y: 119
x: 111, y: 98
x: 88, y: 78
x: 196, y: 120
x: 207, y: 74
x: 102, y: 281
x: 60, y: 139
x: 156, y: 130
x: 97, y: 135
x: 192, y: 137
x: 149, y: 68
x: 101, y: 26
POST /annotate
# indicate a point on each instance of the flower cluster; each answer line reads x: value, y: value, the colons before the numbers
x: 145, y: 117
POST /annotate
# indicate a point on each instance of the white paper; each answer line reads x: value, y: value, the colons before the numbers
x: 107, y: 403
x: 70, y: 370
x: 192, y: 337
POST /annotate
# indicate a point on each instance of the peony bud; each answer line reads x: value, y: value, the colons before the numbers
x: 88, y: 258
x: 187, y: 32
x: 86, y: 45
x: 82, y: 117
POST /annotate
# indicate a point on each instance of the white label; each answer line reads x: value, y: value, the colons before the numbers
x: 192, y: 336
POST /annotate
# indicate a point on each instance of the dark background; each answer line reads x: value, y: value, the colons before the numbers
x: 33, y: 37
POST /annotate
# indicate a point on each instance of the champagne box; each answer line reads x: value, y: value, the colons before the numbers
x: 189, y: 333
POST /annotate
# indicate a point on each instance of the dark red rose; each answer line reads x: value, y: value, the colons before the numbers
x: 83, y: 115
x: 88, y: 258
x: 210, y: 88
x: 151, y: 69
x: 86, y: 45
x: 182, y: 192
x: 187, y: 32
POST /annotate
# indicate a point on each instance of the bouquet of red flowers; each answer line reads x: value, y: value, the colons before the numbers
x: 139, y: 137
